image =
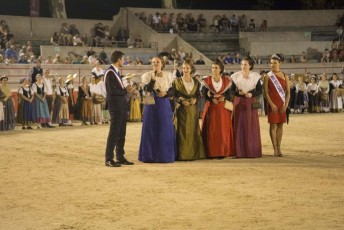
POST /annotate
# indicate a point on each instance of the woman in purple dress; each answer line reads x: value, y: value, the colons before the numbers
x: 158, y: 136
x: 246, y: 86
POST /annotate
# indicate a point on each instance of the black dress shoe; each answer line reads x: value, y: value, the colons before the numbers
x: 112, y: 163
x: 124, y: 161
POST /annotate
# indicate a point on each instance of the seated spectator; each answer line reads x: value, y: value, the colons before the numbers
x: 303, y: 57
x: 334, y: 56
x: 99, y: 30
x: 61, y: 40
x: 200, y: 61
x: 217, y: 23
x: 76, y: 58
x: 103, y: 59
x: 122, y: 34
x: 224, y: 24
x: 191, y: 24
x: 23, y: 51
x: 341, y: 55
x: 67, y: 60
x: 251, y: 26
x: 73, y: 30
x: 5, y: 32
x: 165, y: 22
x: 131, y: 41
x: 58, y: 59
x: 264, y: 26
x: 85, y: 60
x: 128, y: 61
x: 202, y: 23
x: 234, y: 24
x: 11, y: 54
x: 49, y: 60
x: 65, y: 34
x: 84, y: 39
x: 32, y: 59
x: 237, y: 59
x: 173, y: 23
x: 156, y: 20
x: 77, y: 40
x: 92, y: 59
x: 143, y: 17
x: 138, y: 61
x: 54, y: 40
x: 292, y: 59
x: 228, y: 59
x: 243, y: 23
x: 325, y: 56
x: 138, y: 42
x: 181, y: 22
x: 106, y: 41
x: 257, y: 60
x: 90, y: 51
x: 22, y: 59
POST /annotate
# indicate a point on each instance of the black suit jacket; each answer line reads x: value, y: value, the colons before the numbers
x: 115, y: 91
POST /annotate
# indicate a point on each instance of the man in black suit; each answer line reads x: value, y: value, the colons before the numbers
x: 116, y: 100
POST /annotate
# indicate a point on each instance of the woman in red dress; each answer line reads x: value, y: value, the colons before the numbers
x: 217, y: 131
x: 277, y: 93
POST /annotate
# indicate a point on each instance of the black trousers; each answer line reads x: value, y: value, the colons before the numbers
x: 116, y: 138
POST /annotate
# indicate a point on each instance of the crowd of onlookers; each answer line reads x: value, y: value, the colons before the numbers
x: 171, y: 23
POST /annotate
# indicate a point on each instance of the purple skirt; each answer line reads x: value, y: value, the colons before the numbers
x: 247, y: 142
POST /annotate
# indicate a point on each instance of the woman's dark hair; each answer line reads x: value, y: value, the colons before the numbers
x: 250, y: 61
x: 278, y: 57
x: 189, y: 62
x: 116, y: 55
x: 220, y: 64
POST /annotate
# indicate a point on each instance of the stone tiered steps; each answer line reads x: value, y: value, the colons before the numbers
x: 318, y: 33
x: 213, y: 45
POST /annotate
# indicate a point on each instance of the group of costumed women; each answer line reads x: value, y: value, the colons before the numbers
x: 230, y: 124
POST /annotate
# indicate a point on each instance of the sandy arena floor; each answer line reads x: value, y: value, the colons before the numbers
x: 56, y: 179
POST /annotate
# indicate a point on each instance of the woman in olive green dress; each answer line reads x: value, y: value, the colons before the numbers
x: 188, y: 134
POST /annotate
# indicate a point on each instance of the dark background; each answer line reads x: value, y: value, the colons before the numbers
x: 105, y: 9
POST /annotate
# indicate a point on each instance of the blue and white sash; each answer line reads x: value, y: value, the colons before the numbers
x: 277, y: 85
x: 116, y: 75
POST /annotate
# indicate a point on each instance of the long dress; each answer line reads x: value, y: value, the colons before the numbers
x: 335, y: 100
x: 71, y: 101
x: 135, y: 110
x: 217, y: 130
x: 8, y: 122
x: 188, y: 133
x: 61, y: 111
x: 84, y: 103
x: 276, y: 118
x: 323, y: 90
x: 27, y: 109
x: 96, y: 106
x: 42, y: 109
x: 313, y: 98
x: 247, y: 140
x: 301, y: 96
x: 158, y: 136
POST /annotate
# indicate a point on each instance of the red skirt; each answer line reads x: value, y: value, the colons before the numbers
x: 217, y: 131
